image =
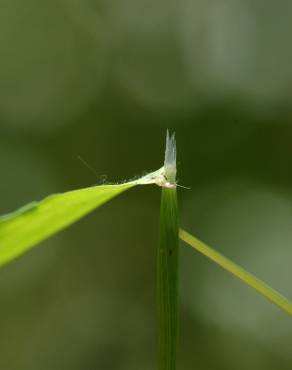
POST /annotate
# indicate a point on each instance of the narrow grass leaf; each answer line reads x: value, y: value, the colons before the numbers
x: 167, y: 265
x: 35, y: 222
x: 249, y: 279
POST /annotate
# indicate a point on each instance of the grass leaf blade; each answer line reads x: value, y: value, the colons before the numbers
x: 249, y: 279
x: 35, y: 222
x: 21, y: 230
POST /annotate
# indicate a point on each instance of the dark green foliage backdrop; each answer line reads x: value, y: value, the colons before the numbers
x: 104, y: 79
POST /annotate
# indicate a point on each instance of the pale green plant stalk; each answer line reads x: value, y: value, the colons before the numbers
x: 167, y: 266
x: 249, y: 279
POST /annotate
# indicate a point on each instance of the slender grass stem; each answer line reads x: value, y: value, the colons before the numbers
x: 167, y: 273
x: 249, y: 279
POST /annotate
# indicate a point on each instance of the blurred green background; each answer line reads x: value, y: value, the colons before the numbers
x: 104, y: 79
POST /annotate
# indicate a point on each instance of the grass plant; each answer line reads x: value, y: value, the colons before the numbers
x: 28, y: 226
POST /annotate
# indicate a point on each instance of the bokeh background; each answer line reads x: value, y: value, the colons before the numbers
x: 103, y: 79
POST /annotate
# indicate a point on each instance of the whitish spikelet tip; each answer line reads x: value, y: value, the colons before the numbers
x: 170, y: 158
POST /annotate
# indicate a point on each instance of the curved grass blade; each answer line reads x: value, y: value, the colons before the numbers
x: 249, y: 279
x: 23, y: 229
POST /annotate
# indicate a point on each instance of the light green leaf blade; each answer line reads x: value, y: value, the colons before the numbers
x: 35, y: 222
x: 21, y: 230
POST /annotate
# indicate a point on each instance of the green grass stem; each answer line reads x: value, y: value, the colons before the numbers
x: 168, y: 254
x: 249, y: 279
